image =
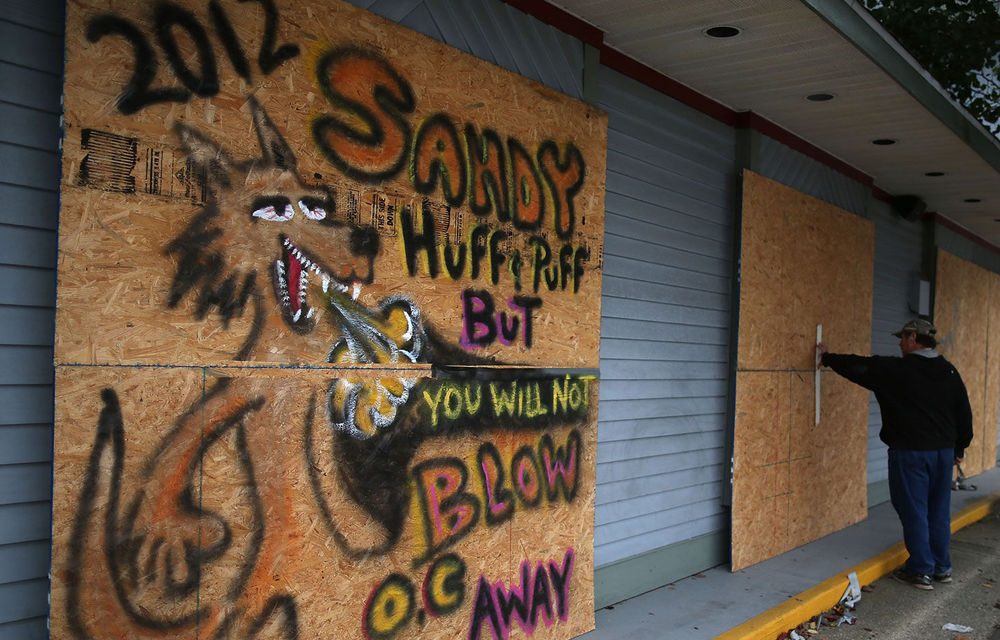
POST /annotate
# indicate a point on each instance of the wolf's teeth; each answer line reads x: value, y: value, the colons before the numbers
x: 279, y: 268
x: 310, y: 313
x: 326, y: 282
x: 357, y: 291
x: 298, y: 314
x: 408, y: 335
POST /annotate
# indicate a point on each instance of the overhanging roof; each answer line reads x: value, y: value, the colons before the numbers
x: 789, y: 49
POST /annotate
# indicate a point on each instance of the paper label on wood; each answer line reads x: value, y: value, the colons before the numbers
x: 327, y: 332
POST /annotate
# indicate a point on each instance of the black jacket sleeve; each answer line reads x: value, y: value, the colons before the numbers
x: 963, y: 417
x: 858, y: 369
x: 923, y: 401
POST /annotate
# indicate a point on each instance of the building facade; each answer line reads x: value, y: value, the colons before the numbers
x: 668, y: 304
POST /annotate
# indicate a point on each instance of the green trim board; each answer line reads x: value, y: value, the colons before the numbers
x: 644, y: 572
x: 619, y: 581
x: 878, y: 492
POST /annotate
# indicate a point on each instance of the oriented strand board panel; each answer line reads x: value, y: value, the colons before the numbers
x: 991, y: 394
x: 327, y: 332
x: 213, y: 506
x: 207, y: 147
x: 967, y: 317
x: 804, y: 262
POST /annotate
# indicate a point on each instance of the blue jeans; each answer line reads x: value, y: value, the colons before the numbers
x: 920, y: 490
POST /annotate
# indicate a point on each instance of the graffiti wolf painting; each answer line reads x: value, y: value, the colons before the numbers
x: 296, y: 400
x: 180, y: 552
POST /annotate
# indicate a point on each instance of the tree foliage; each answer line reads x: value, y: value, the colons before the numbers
x: 957, y: 42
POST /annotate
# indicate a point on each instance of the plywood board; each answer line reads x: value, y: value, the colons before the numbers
x: 991, y: 394
x: 967, y: 317
x: 792, y: 278
x: 469, y: 190
x: 327, y: 332
x: 804, y: 262
x: 241, y: 507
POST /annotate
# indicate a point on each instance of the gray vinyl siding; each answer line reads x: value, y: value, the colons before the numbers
x: 798, y: 171
x: 897, y: 273
x: 31, y: 37
x: 965, y: 248
x: 665, y: 322
x: 495, y: 32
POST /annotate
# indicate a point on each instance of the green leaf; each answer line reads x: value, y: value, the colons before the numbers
x: 956, y: 41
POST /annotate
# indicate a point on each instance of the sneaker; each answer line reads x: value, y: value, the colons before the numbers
x: 918, y: 580
x: 944, y: 577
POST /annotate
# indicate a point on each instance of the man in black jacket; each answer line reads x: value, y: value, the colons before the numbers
x: 927, y: 423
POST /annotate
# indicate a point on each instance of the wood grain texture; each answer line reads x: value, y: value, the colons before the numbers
x: 326, y: 335
x: 804, y: 262
x: 967, y: 317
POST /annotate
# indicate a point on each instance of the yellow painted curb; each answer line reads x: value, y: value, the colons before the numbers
x: 826, y: 594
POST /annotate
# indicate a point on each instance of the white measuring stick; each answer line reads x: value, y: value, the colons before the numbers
x: 819, y: 338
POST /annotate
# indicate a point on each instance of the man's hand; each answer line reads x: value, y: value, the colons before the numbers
x: 959, y: 460
x: 820, y: 350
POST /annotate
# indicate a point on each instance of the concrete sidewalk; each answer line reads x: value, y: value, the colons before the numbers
x: 969, y: 604
x: 759, y: 602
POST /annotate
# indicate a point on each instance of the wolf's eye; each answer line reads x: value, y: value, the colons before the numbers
x: 313, y: 208
x: 273, y: 209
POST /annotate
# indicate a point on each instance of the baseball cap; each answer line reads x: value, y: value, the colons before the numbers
x: 918, y: 326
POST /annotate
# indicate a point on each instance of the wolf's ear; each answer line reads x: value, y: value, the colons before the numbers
x: 274, y: 151
x: 206, y: 154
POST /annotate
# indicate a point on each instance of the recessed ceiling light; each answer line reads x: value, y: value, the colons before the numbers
x: 934, y: 174
x: 972, y: 200
x: 722, y: 31
x: 820, y: 97
x: 883, y: 142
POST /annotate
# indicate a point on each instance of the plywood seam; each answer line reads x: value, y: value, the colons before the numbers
x: 779, y: 495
